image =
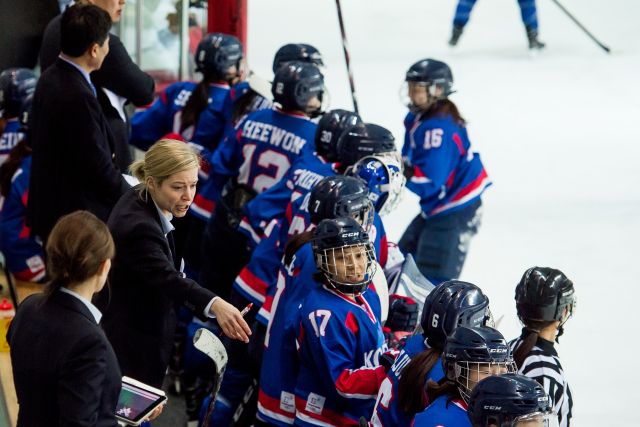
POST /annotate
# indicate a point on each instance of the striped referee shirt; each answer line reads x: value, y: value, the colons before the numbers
x: 542, y: 364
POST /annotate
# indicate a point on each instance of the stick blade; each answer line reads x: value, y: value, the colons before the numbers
x: 205, y: 341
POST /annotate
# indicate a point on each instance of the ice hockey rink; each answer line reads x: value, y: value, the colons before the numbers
x: 558, y: 134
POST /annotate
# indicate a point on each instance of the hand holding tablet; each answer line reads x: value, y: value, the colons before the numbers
x: 138, y: 402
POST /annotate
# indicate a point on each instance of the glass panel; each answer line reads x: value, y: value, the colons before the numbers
x: 155, y: 27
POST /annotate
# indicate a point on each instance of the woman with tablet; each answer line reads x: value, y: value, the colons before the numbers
x: 147, y: 283
x: 64, y: 369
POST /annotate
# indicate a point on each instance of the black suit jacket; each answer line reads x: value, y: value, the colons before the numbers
x: 139, y: 314
x: 119, y: 74
x: 64, y: 369
x: 73, y: 160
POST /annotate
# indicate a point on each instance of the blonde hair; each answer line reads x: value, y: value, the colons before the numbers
x: 165, y: 158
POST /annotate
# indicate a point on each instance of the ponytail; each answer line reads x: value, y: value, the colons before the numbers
x: 532, y: 328
x: 411, y: 388
x: 11, y: 165
x: 295, y: 243
x: 197, y: 102
x: 444, y: 107
x: 440, y: 388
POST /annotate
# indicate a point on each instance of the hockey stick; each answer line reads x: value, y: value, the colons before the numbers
x: 591, y: 36
x: 205, y: 341
x: 346, y: 57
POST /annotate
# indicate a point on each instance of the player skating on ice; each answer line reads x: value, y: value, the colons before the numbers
x: 443, y: 171
x: 528, y: 13
x: 545, y: 300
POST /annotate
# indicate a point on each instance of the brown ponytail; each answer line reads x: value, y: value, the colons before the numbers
x: 411, y: 387
x: 440, y: 388
x: 445, y: 107
x: 197, y: 102
x: 295, y: 243
x: 533, y: 328
x: 78, y: 244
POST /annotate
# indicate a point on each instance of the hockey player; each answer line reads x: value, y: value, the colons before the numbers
x: 450, y: 305
x: 178, y: 109
x: 545, y: 300
x: 16, y: 86
x: 383, y: 175
x: 527, y: 11
x: 306, y: 172
x: 333, y: 197
x: 447, y: 176
x: 469, y: 356
x: 265, y: 145
x: 25, y: 257
x: 510, y: 400
x: 301, y: 52
x: 340, y: 336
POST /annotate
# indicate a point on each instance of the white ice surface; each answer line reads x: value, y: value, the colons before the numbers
x: 557, y: 133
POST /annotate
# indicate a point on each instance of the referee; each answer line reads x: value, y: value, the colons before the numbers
x: 544, y: 300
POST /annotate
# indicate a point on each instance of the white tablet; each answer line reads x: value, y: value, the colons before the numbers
x: 137, y: 401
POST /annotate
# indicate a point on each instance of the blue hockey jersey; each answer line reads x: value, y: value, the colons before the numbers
x: 165, y: 117
x: 443, y: 412
x: 276, y: 399
x: 10, y: 138
x: 447, y: 175
x: 387, y: 413
x: 340, y: 342
x: 262, y: 149
x: 23, y: 254
x: 303, y: 175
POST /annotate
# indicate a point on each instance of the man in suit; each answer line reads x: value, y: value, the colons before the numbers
x: 73, y: 149
x: 119, y: 80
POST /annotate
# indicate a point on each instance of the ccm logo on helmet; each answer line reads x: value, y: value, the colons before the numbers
x: 497, y: 350
x: 492, y: 407
x: 352, y: 234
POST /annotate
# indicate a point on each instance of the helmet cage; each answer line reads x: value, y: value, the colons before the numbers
x: 383, y: 175
x: 358, y: 207
x: 345, y: 276
x: 462, y: 372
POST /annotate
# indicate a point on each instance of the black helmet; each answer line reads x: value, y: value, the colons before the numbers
x: 543, y: 294
x: 338, y: 245
x: 330, y: 127
x: 466, y: 349
x: 452, y: 304
x: 431, y: 72
x: 17, y: 86
x: 339, y: 196
x: 364, y: 140
x: 503, y: 400
x: 216, y: 53
x: 296, y: 52
x: 295, y: 83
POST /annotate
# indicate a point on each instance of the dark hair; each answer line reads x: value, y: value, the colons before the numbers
x: 3, y: 124
x: 243, y: 105
x: 77, y: 245
x: 411, y: 387
x: 295, y: 243
x: 11, y: 165
x: 197, y: 102
x: 81, y: 27
x: 440, y: 388
x: 443, y: 107
x: 532, y: 328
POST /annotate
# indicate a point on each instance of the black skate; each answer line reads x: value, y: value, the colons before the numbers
x: 455, y: 35
x: 534, y: 43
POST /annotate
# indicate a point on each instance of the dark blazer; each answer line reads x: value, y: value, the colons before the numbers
x: 119, y: 74
x: 73, y: 160
x: 139, y: 314
x: 64, y: 368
